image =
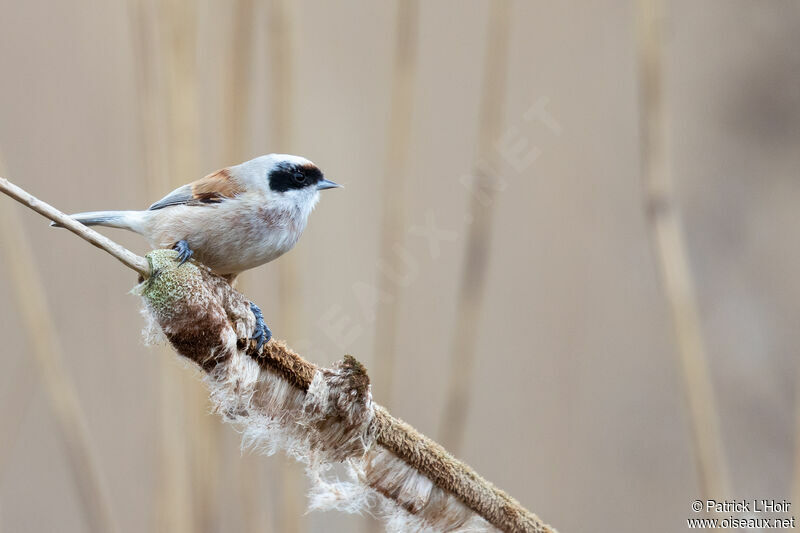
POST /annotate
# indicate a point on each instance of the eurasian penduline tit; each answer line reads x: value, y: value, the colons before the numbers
x: 235, y: 219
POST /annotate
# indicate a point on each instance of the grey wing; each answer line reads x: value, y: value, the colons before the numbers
x: 180, y: 196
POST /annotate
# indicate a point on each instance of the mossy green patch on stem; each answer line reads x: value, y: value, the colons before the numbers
x: 169, y: 283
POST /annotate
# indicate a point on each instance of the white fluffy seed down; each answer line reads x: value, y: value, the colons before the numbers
x: 274, y: 415
x: 277, y: 416
x: 330, y: 424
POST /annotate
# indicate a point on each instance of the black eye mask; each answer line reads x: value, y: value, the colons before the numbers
x: 286, y: 176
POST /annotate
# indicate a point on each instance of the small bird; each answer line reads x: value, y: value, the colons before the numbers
x: 232, y: 220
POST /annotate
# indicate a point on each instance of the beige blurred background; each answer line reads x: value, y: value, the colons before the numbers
x: 577, y: 400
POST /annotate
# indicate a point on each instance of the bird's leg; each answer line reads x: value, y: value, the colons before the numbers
x: 184, y: 252
x: 262, y: 334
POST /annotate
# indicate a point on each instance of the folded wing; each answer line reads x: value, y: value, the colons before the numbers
x: 211, y: 189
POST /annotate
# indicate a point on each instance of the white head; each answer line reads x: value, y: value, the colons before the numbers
x: 288, y: 180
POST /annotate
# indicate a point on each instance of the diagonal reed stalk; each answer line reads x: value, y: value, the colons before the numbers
x: 54, y: 375
x: 398, y: 140
x: 475, y: 262
x: 22, y: 390
x: 673, y: 258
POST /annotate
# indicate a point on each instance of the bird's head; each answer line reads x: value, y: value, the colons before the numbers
x: 286, y: 179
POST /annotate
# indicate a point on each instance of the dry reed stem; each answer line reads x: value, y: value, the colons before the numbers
x: 23, y: 389
x: 235, y: 136
x: 131, y: 261
x: 280, y: 34
x: 46, y: 350
x: 281, y: 137
x: 126, y: 257
x: 281, y: 51
x: 164, y: 53
x: 398, y: 140
x: 202, y: 432
x: 172, y: 494
x: 672, y: 256
x: 239, y: 86
x: 332, y: 420
x: 476, y: 254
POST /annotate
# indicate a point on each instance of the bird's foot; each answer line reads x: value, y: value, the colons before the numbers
x: 262, y: 334
x: 184, y: 252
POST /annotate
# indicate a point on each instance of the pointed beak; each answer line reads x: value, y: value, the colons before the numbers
x: 326, y: 184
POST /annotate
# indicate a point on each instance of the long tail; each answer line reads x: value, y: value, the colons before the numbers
x: 130, y: 220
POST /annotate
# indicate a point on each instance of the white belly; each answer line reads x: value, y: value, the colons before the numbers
x: 228, y: 237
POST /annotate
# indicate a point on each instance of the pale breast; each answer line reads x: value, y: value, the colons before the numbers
x: 281, y: 228
x: 231, y: 236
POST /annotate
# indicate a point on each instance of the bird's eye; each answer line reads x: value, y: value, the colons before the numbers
x: 298, y: 177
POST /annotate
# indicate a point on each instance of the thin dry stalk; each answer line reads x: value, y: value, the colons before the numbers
x: 202, y: 432
x: 237, y: 112
x: 239, y: 83
x: 280, y: 30
x: 280, y: 34
x: 173, y: 490
x: 172, y: 495
x: 281, y: 53
x: 475, y: 262
x: 164, y: 51
x: 22, y: 196
x: 22, y: 389
x: 46, y: 350
x: 672, y: 256
x: 392, y: 225
x: 127, y: 258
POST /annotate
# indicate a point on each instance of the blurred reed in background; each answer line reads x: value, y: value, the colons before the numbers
x: 556, y: 198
